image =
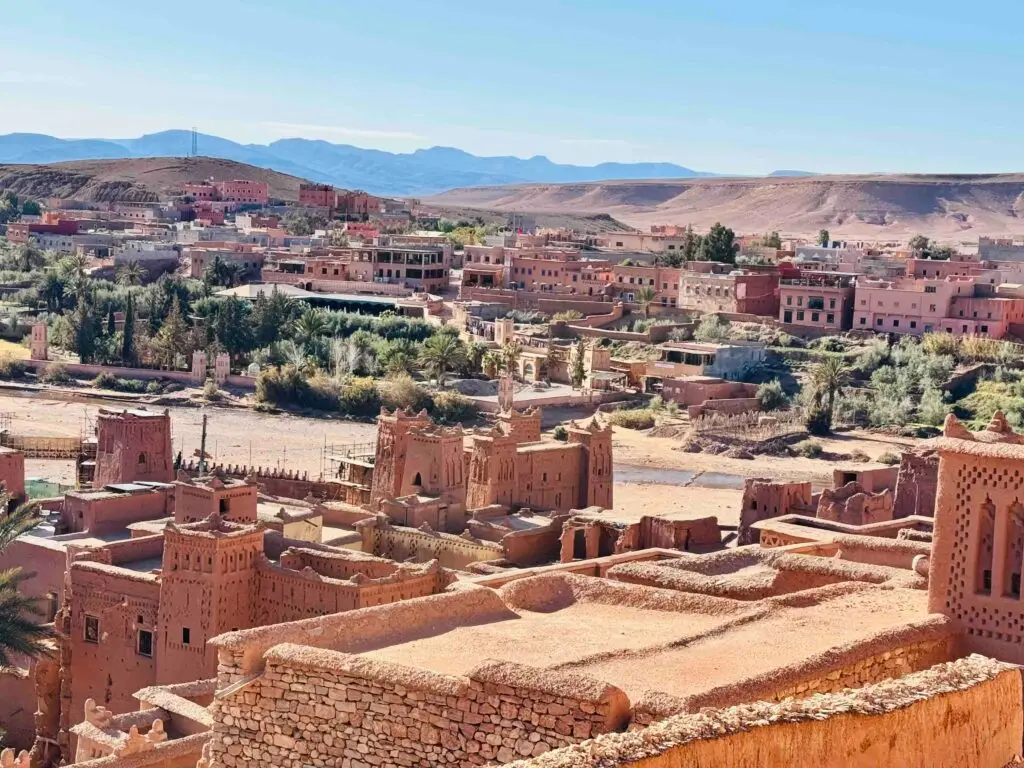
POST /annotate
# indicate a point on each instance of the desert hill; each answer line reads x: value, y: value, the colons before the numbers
x: 949, y: 207
x: 135, y: 180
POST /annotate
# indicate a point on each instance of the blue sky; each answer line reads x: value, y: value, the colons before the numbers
x: 735, y: 86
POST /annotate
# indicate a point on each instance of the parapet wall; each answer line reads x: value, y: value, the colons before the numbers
x: 966, y: 713
x: 451, y: 551
x: 377, y: 713
x: 289, y: 484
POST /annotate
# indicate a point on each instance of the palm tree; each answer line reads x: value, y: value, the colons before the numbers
x: 645, y: 297
x: 442, y: 353
x: 828, y: 379
x: 310, y: 327
x: 20, y: 631
x: 491, y: 363
x: 130, y: 273
x: 510, y: 355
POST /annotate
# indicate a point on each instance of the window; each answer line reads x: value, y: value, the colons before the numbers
x: 816, y: 302
x: 799, y: 315
x: 913, y: 324
x: 789, y: 301
x: 787, y: 316
x: 814, y: 317
x: 186, y: 635
x: 92, y: 629
x: 863, y: 302
x: 863, y: 321
x: 799, y: 301
x: 983, y: 328
x: 145, y: 643
x: 830, y: 318
x: 928, y: 329
x: 895, y: 323
x: 878, y: 321
x: 931, y: 307
x: 831, y: 303
x: 929, y: 289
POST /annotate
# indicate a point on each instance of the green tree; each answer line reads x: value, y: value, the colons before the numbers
x: 690, y: 246
x: 128, y: 334
x: 232, y: 327
x: 828, y: 379
x: 644, y: 297
x: 491, y: 363
x: 578, y: 369
x: 510, y: 354
x: 718, y: 245
x: 310, y: 328
x: 29, y: 258
x: 442, y: 353
x: 918, y: 243
x: 772, y: 240
x: 824, y: 238
x: 85, y: 331
x: 31, y: 208
x: 941, y: 252
x: 21, y: 631
x: 9, y: 210
x: 171, y: 337
x: 111, y: 325
x: 130, y: 273
x: 273, y: 317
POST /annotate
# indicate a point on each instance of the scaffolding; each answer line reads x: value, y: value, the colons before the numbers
x: 350, y: 462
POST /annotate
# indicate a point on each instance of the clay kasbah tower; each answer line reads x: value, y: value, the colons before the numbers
x: 470, y: 597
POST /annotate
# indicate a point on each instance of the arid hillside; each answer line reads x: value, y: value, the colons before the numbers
x: 135, y: 180
x: 875, y: 207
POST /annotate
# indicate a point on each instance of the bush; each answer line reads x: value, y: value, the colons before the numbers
x: 874, y: 356
x: 210, y: 390
x: 634, y: 418
x: 711, y: 328
x: 287, y: 386
x: 359, y: 397
x: 452, y: 407
x: 105, y: 380
x: 809, y: 449
x: 566, y: 317
x: 939, y: 344
x: 560, y: 433
x: 889, y: 458
x: 11, y: 368
x: 56, y: 373
x: 136, y: 386
x: 771, y: 396
x: 154, y: 387
x: 400, y: 391
x: 859, y: 456
x: 829, y: 344
x: 818, y: 422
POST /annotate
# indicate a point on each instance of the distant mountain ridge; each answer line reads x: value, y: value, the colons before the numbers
x: 423, y: 172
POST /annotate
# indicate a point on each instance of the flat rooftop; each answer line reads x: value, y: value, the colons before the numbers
x: 645, y: 640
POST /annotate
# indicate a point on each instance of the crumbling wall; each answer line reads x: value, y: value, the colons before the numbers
x: 764, y: 499
x: 853, y: 506
x: 967, y: 713
x: 376, y: 713
x: 916, y: 485
x: 420, y: 546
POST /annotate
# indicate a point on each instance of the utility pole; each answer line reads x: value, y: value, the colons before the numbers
x: 195, y: 142
x: 202, y: 449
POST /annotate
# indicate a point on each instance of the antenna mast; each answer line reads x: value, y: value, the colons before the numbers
x: 195, y: 142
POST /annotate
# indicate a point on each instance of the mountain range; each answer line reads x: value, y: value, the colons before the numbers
x: 423, y: 172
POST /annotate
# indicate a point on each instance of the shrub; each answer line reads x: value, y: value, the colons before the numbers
x: 889, y: 458
x: 830, y: 344
x: 940, y: 344
x: 932, y: 409
x: 771, y: 396
x: 560, y: 433
x: 566, y: 317
x: 210, y: 390
x: 154, y: 387
x: 634, y: 418
x: 859, y: 456
x: 400, y: 391
x: 11, y: 368
x: 105, y: 380
x: 287, y: 386
x: 873, y: 357
x: 809, y: 449
x: 818, y: 422
x: 711, y: 328
x: 359, y: 397
x: 56, y: 373
x: 453, y: 408
x: 136, y: 386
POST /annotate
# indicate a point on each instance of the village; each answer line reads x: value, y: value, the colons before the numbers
x: 339, y: 482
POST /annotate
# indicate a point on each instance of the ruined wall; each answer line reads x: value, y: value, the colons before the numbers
x: 729, y: 406
x: 963, y: 714
x: 289, y: 484
x: 412, y: 545
x: 916, y: 485
x: 764, y: 499
x: 174, y: 753
x: 17, y: 708
x: 851, y: 505
x: 377, y: 713
x: 130, y: 448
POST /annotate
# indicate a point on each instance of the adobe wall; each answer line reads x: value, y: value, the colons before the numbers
x: 851, y: 505
x: 967, y: 713
x: 17, y: 708
x: 731, y: 405
x: 44, y: 559
x: 286, y: 483
x: 174, y: 753
x: 550, y: 477
x: 101, y: 512
x: 872, y: 480
x: 413, y: 545
x: 378, y: 713
x: 131, y: 448
x: 764, y: 499
x: 12, y: 471
x: 916, y: 485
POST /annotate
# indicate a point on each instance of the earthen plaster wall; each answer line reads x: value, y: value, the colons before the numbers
x: 17, y: 708
x: 100, y: 512
x: 916, y: 485
x: 967, y: 713
x: 764, y: 499
x: 410, y: 544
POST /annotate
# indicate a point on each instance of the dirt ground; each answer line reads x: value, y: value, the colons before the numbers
x: 237, y: 436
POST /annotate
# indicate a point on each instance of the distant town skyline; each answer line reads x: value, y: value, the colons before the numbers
x: 746, y: 88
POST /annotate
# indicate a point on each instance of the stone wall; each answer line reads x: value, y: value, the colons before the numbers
x: 322, y: 707
x: 967, y: 713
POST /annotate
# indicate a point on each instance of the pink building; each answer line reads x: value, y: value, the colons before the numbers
x: 817, y: 300
x: 734, y: 292
x: 243, y: 191
x: 957, y: 304
x: 318, y: 195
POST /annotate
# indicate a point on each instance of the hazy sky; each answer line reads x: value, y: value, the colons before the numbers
x: 733, y: 86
